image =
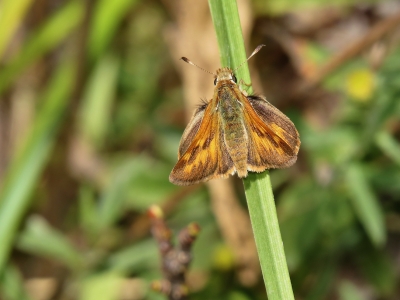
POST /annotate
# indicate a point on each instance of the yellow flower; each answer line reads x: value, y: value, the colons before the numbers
x: 223, y: 258
x: 360, y: 84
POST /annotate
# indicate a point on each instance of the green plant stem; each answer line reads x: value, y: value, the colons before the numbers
x: 258, y: 187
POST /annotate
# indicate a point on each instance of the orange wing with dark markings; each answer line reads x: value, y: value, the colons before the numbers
x: 273, y: 139
x: 202, y: 152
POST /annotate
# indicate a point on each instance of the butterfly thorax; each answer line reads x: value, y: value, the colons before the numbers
x: 230, y: 110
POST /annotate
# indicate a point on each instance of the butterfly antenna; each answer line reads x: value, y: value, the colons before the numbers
x: 187, y: 60
x: 251, y: 55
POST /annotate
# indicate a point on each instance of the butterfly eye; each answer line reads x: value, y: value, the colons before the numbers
x: 234, y: 78
x: 215, y: 81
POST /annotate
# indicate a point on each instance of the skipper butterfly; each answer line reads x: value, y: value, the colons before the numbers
x: 234, y: 133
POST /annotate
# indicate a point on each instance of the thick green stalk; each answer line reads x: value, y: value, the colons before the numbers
x: 258, y: 188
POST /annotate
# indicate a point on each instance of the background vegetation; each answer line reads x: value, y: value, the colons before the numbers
x: 91, y: 112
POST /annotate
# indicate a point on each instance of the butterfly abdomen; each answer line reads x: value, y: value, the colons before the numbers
x: 235, y: 135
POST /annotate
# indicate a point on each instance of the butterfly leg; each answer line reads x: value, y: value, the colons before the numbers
x: 242, y: 83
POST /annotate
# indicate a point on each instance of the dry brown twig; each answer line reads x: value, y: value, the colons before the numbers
x: 376, y: 33
x: 175, y: 260
x: 141, y: 225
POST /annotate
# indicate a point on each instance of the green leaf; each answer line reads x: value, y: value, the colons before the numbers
x: 386, y: 100
x: 279, y: 7
x: 379, y: 269
x: 107, y: 16
x: 385, y: 179
x: 324, y: 279
x: 113, y: 199
x: 26, y: 166
x: 40, y: 239
x: 348, y: 291
x: 87, y: 210
x: 12, y: 15
x: 299, y: 225
x: 51, y: 34
x: 12, y: 285
x: 235, y: 295
x: 103, y: 286
x: 388, y: 145
x: 366, y: 204
x: 139, y: 256
x: 98, y: 98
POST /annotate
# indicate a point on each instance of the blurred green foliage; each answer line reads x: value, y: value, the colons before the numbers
x: 98, y: 73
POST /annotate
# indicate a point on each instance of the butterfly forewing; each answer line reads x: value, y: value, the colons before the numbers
x: 273, y: 139
x: 203, y: 154
x: 191, y: 130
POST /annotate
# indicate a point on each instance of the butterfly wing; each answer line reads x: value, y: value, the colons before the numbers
x: 273, y: 140
x: 191, y: 129
x: 202, y: 152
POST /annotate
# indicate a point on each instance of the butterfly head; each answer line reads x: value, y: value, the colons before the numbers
x: 225, y: 74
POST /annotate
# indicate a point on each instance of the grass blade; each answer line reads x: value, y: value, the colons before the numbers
x: 12, y: 285
x: 258, y: 188
x: 12, y: 15
x: 107, y: 16
x: 27, y: 164
x: 41, y: 239
x: 388, y: 145
x: 95, y: 112
x: 366, y: 205
x: 46, y: 38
